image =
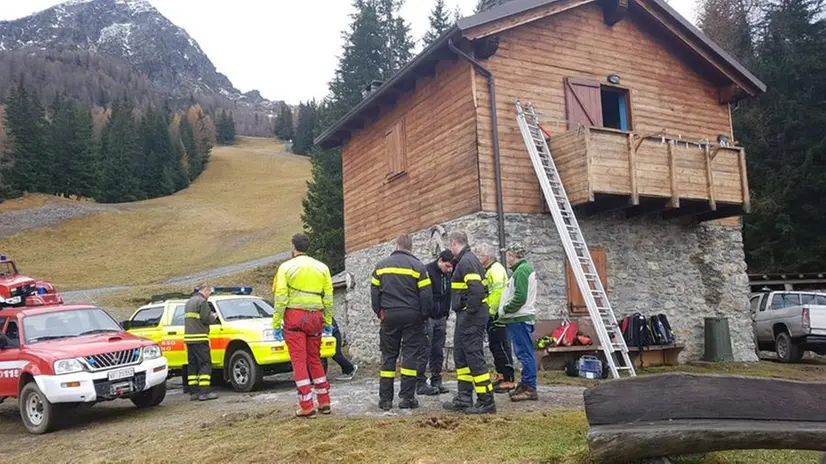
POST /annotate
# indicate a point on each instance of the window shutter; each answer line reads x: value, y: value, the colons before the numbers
x: 394, y: 146
x: 583, y: 102
x: 576, y: 303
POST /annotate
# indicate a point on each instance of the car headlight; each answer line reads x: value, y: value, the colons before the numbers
x: 151, y: 352
x: 67, y: 366
x: 268, y: 334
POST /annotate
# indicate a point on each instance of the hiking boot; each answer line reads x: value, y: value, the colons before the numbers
x: 207, y: 396
x: 305, y: 413
x: 427, y: 390
x: 348, y: 376
x: 527, y: 394
x: 519, y: 389
x: 193, y: 397
x: 385, y: 405
x: 459, y: 403
x: 408, y: 403
x: 324, y: 409
x: 503, y: 386
x: 438, y: 384
x: 484, y: 405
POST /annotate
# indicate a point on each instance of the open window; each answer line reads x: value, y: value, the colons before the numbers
x: 395, y: 150
x: 592, y: 104
x: 576, y: 302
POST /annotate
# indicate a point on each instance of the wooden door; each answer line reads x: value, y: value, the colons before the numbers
x: 576, y: 303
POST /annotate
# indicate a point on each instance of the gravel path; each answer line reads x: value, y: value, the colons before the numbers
x: 48, y: 215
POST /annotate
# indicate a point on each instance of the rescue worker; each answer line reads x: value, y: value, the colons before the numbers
x: 496, y: 278
x: 469, y: 300
x: 433, y: 351
x: 402, y: 298
x: 303, y: 295
x: 517, y: 310
x: 348, y: 369
x: 197, y: 318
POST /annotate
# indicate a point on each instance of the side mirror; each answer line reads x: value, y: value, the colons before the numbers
x: 126, y: 325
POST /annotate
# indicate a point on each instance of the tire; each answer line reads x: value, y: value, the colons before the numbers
x: 787, y: 350
x: 38, y: 414
x: 150, y: 398
x: 245, y: 374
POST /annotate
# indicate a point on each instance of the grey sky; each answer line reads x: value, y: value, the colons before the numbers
x: 287, y: 49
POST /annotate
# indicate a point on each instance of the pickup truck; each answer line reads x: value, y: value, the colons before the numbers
x: 56, y: 358
x: 789, y: 323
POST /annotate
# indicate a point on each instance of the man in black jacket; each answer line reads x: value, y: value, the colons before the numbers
x: 433, y: 352
x: 469, y: 300
x: 401, y: 296
x: 197, y: 318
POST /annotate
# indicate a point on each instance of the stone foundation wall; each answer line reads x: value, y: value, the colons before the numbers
x: 686, y: 271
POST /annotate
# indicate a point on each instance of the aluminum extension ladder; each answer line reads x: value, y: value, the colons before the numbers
x: 602, y: 316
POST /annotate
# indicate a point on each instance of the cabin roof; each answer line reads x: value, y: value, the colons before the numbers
x: 425, y: 61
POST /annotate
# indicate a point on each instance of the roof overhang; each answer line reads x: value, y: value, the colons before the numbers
x: 520, y: 12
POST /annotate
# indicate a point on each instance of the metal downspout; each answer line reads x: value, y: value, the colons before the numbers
x: 497, y: 168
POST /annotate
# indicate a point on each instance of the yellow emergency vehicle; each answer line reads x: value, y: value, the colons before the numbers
x: 243, y: 347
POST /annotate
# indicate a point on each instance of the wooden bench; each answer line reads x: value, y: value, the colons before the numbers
x: 554, y: 358
x: 676, y: 414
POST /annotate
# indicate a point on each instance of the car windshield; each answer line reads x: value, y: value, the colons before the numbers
x: 244, y: 308
x: 67, y: 324
x: 7, y: 269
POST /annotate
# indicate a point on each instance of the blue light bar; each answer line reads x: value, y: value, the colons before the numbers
x: 234, y: 290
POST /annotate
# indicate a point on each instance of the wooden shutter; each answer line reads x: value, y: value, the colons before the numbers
x: 395, y: 150
x: 583, y: 102
x: 576, y: 303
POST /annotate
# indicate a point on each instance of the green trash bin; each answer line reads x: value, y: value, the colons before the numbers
x: 717, y: 340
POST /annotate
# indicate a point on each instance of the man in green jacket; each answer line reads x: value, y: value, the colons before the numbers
x: 517, y: 310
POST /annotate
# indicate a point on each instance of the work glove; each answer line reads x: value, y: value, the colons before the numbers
x: 278, y: 335
x: 327, y: 331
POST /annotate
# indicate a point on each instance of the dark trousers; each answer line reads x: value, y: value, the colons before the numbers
x: 500, y: 347
x: 433, y: 350
x: 402, y: 330
x: 343, y: 362
x: 199, y: 367
x: 468, y: 353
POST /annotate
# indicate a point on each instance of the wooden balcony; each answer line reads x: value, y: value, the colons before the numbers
x: 605, y: 169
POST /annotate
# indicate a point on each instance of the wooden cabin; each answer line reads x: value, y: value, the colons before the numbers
x: 635, y: 100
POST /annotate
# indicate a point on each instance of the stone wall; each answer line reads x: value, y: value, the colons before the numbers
x: 686, y: 271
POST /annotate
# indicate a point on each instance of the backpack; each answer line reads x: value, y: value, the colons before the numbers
x: 569, y: 337
x: 638, y: 331
x: 662, y: 330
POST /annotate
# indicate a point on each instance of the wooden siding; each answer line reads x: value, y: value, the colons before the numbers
x: 532, y: 63
x: 441, y: 173
x: 570, y: 158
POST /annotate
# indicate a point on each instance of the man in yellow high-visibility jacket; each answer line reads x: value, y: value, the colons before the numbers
x: 303, y: 290
x: 496, y: 279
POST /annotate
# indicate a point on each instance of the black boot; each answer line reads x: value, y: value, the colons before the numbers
x: 422, y: 388
x: 385, y: 405
x: 438, y: 384
x: 460, y: 402
x: 408, y: 403
x: 484, y: 405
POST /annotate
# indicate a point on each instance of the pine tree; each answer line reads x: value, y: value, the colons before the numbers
x: 284, y: 123
x: 31, y: 166
x: 439, y: 23
x: 121, y: 156
x: 399, y: 44
x: 200, y: 133
x: 783, y: 131
x: 225, y: 126
x: 158, y: 154
x: 305, y: 129
x: 323, y: 215
x: 70, y: 140
x: 180, y: 172
x: 728, y: 24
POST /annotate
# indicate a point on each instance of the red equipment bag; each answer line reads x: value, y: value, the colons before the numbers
x: 583, y: 339
x: 569, y: 336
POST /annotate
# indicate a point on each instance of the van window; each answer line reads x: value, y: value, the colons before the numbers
x: 147, y: 318
x: 821, y: 300
x: 178, y: 315
x: 791, y: 299
x: 807, y: 298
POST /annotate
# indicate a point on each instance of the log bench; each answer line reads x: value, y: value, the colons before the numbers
x: 555, y: 358
x: 675, y: 414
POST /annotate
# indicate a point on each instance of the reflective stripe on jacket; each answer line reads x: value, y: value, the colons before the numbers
x: 496, y: 278
x: 400, y: 281
x: 466, y: 289
x: 302, y: 283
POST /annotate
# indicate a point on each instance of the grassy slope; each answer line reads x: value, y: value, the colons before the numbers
x: 244, y: 206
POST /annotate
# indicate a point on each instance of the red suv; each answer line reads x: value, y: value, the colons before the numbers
x: 55, y: 358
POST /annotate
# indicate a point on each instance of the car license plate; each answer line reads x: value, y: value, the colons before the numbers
x: 122, y: 373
